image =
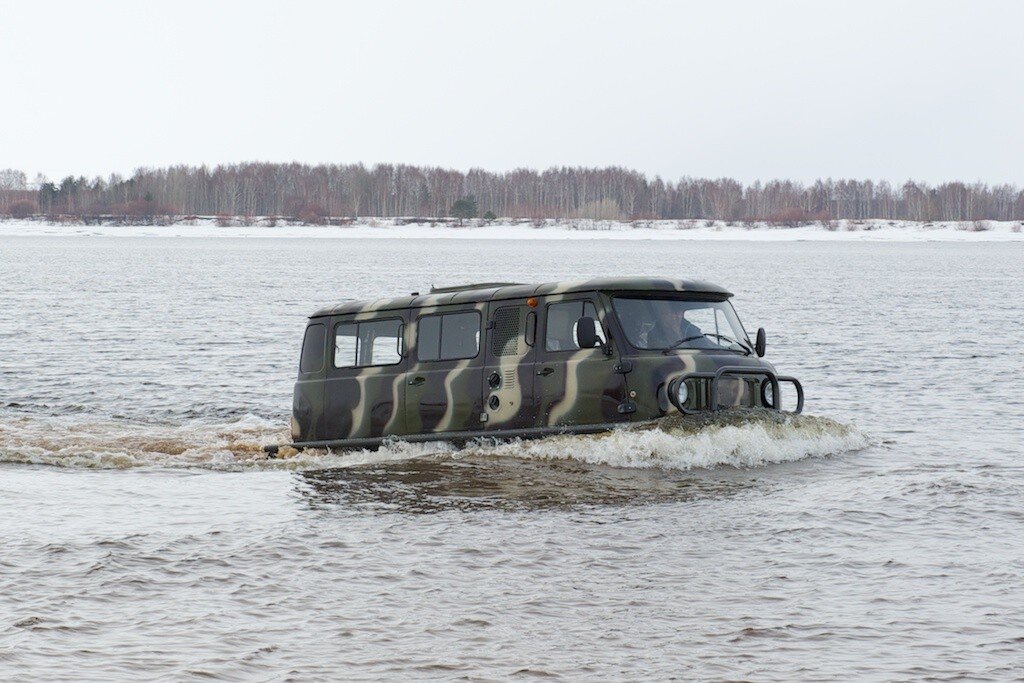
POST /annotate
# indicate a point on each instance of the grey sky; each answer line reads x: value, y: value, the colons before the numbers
x: 926, y: 90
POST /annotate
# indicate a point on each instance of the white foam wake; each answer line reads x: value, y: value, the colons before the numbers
x: 76, y: 442
x: 750, y: 441
x: 739, y: 441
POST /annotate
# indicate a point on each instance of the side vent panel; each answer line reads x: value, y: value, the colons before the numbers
x: 506, y: 336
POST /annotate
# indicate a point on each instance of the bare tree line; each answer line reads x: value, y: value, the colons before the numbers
x: 314, y: 192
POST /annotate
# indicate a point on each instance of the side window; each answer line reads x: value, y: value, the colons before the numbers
x: 449, y: 336
x: 460, y: 335
x: 428, y: 337
x: 345, y: 338
x: 379, y: 342
x: 560, y: 332
x: 312, y: 359
x: 376, y: 342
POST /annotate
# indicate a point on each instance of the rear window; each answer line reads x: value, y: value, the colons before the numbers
x: 449, y: 336
x: 312, y: 359
x: 363, y: 344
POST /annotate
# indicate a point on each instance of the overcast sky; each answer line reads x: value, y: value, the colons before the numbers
x: 928, y: 90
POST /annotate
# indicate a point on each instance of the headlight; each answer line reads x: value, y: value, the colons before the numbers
x: 767, y: 394
x: 680, y: 394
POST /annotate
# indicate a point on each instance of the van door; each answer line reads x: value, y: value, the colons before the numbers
x: 308, y: 395
x: 442, y: 387
x: 509, y: 373
x: 576, y: 386
x: 364, y: 391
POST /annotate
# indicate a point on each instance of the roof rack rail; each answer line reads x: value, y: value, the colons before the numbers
x: 477, y: 285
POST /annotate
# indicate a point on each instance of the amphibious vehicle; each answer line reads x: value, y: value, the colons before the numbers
x: 504, y: 360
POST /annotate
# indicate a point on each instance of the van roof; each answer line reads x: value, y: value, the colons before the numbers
x: 492, y: 291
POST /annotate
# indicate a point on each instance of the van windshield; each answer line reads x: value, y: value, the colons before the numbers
x: 681, y: 324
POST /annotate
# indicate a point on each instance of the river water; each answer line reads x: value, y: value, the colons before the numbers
x: 143, y: 534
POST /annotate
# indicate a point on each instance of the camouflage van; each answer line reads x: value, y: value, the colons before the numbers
x: 505, y: 360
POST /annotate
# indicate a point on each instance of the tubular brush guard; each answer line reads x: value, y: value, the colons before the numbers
x: 735, y: 370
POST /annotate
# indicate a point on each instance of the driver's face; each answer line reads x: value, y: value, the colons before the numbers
x: 675, y: 318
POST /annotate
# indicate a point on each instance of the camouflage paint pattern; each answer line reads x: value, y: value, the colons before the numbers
x: 509, y: 368
x: 513, y: 382
x: 449, y: 400
x: 583, y: 387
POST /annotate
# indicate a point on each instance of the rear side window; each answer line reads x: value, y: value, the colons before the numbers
x: 312, y: 359
x: 449, y: 336
x: 363, y: 344
x: 560, y: 332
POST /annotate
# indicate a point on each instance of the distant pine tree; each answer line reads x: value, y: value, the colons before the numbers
x: 464, y: 208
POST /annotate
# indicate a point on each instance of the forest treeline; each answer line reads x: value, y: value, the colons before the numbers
x: 312, y: 193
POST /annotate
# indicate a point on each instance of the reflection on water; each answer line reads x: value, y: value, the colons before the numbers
x: 660, y: 463
x: 428, y: 485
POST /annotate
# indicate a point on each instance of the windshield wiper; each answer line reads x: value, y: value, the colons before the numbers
x: 746, y: 349
x: 675, y: 345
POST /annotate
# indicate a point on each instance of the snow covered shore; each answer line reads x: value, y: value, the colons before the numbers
x: 389, y: 228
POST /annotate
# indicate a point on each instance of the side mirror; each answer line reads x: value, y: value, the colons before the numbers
x: 586, y: 333
x: 759, y: 344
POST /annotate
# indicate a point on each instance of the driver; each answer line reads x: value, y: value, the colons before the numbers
x: 671, y: 328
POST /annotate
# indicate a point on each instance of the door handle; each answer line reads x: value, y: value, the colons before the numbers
x: 545, y: 372
x: 416, y: 381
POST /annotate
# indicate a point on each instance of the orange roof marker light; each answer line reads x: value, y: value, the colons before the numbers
x: 532, y: 302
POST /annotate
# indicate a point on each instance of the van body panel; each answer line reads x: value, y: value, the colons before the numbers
x: 507, y: 388
x: 362, y: 402
x: 442, y: 395
x: 367, y: 405
x: 308, y: 393
x: 576, y: 386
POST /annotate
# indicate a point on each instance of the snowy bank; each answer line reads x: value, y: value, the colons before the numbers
x: 833, y: 231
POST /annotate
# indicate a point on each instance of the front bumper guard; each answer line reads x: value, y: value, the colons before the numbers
x: 770, y: 379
